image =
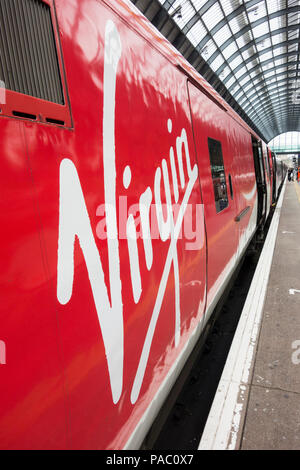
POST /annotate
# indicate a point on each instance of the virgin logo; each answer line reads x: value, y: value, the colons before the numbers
x: 74, y: 222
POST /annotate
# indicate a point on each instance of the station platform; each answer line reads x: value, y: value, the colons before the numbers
x: 257, y: 403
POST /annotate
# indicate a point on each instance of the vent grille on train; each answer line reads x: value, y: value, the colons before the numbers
x: 28, y: 56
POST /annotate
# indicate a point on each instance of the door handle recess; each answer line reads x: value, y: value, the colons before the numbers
x: 239, y: 217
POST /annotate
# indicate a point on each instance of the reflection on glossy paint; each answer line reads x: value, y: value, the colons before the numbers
x: 2, y: 352
x: 74, y: 221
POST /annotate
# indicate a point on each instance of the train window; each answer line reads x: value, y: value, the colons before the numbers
x: 218, y: 174
x: 230, y: 186
x: 269, y: 163
x: 266, y: 164
x: 28, y: 59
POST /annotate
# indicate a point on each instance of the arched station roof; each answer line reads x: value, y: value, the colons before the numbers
x: 248, y: 50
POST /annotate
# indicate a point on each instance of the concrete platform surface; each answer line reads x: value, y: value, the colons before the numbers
x: 272, y: 418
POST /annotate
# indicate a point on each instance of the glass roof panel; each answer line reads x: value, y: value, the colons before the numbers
x: 213, y: 16
x: 253, y: 46
x: 222, y: 35
x: 225, y: 72
x: 238, y: 22
x: 293, y: 18
x: 230, y: 81
x: 235, y: 89
x: 219, y: 60
x: 240, y: 72
x: 280, y: 69
x: 271, y: 87
x: 293, y: 47
x: 244, y: 39
x: 269, y: 74
x: 209, y: 48
x: 246, y: 87
x: 235, y: 62
x: 278, y: 38
x: 254, y: 73
x: 278, y: 22
x: 293, y: 34
x: 263, y: 44
x: 252, y: 63
x: 292, y: 58
x: 230, y: 50
x: 248, y: 53
x: 244, y: 80
x: 280, y: 61
x: 260, y: 30
x: 266, y: 56
x: 198, y: 4
x: 279, y: 50
x: 267, y: 66
x: 274, y: 5
x: 196, y: 33
x: 295, y: 84
x: 230, y: 5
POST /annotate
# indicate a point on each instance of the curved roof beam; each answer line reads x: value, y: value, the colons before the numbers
x: 253, y: 56
x: 270, y: 93
x: 247, y: 28
x: 264, y: 63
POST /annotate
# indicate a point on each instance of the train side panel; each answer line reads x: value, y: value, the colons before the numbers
x: 126, y: 307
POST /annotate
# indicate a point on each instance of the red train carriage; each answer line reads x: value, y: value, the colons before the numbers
x: 130, y: 191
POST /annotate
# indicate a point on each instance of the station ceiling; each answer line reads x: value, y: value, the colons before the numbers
x: 248, y: 50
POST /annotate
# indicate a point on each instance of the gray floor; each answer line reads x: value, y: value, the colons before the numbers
x: 273, y: 414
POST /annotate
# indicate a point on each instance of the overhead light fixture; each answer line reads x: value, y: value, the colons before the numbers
x: 204, y: 51
x: 253, y: 11
x: 260, y: 44
x: 177, y: 12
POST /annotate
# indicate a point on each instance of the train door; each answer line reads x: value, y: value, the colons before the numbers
x: 215, y: 162
x: 270, y: 163
x: 274, y: 171
x: 260, y: 180
x: 245, y: 193
x: 32, y: 390
x: 265, y: 153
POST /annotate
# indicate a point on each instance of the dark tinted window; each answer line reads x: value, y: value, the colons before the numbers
x: 28, y: 56
x: 266, y: 163
x: 218, y: 174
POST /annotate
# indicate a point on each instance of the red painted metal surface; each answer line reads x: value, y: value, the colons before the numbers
x: 62, y: 384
